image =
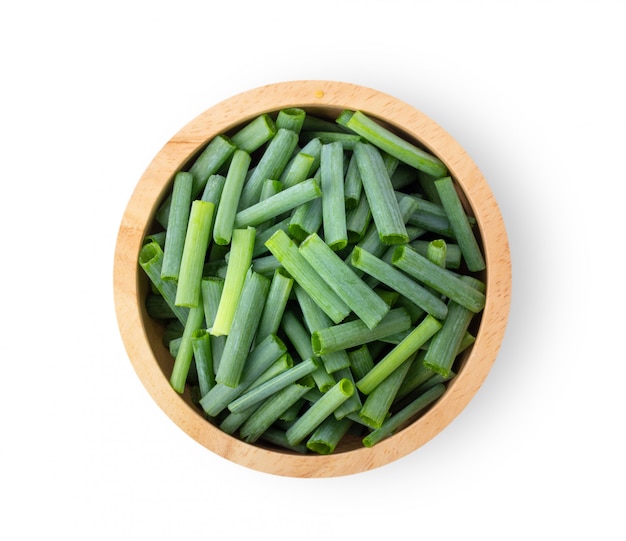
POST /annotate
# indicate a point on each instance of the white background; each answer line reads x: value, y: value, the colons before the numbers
x: 534, y: 91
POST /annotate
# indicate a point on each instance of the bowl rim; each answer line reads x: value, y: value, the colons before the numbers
x: 320, y: 95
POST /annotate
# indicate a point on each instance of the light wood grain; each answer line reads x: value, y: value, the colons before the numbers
x: 141, y: 336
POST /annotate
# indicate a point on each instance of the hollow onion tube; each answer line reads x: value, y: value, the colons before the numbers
x: 277, y: 298
x: 278, y: 203
x: 260, y: 393
x: 333, y: 201
x: 356, y: 333
x: 203, y: 358
x: 277, y: 153
x: 442, y: 280
x: 286, y: 251
x: 227, y: 209
x: 291, y: 118
x: 194, y: 253
x: 244, y: 325
x: 255, y: 134
x: 151, y: 261
x: 319, y: 411
x: 395, y: 421
x: 327, y: 436
x: 444, y: 346
x: 184, y: 356
x: 375, y: 409
x: 381, y: 196
x: 398, y: 281
x: 267, y: 352
x: 238, y: 264
x: 341, y: 279
x: 399, y: 354
x: 177, y: 226
x: 386, y: 140
x: 460, y: 224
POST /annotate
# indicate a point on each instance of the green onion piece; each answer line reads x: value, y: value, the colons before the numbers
x: 286, y: 251
x: 270, y: 411
x: 453, y: 252
x: 274, y: 385
x: 392, y: 423
x: 227, y: 210
x: 327, y: 436
x: 341, y: 279
x: 280, y: 289
x: 306, y: 219
x: 313, y: 149
x: 398, y: 281
x: 203, y: 357
x: 343, y: 118
x: 158, y: 237
x: 184, y: 356
x: 399, y: 354
x: 442, y: 280
x: 460, y: 224
x: 355, y: 333
x: 386, y: 140
x: 255, y: 134
x: 353, y: 187
x: 151, y: 261
x: 381, y: 196
x: 194, y: 253
x: 427, y: 183
x: 274, y: 159
x: 319, y: 411
x: 376, y: 407
x: 353, y: 403
x: 346, y: 140
x: 444, y: 346
x: 261, y: 358
x: 213, y: 189
x: 244, y: 325
x: 333, y: 202
x: 283, y: 201
x: 437, y: 252
x: 208, y: 163
x: 315, y: 318
x: 297, y: 170
x: 238, y: 264
x: 291, y: 118
x: 177, y: 226
x: 212, y: 288
x: 361, y: 361
x: 358, y: 220
x: 301, y: 341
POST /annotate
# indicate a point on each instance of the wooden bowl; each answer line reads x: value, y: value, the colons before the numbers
x: 142, y: 336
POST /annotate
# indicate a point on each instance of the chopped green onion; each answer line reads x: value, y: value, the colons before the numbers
x: 283, y: 201
x: 392, y: 423
x: 341, y: 279
x: 291, y: 118
x: 355, y: 333
x: 255, y: 134
x: 399, y: 354
x: 177, y: 226
x: 442, y: 280
x: 194, y: 253
x: 244, y: 325
x: 238, y: 264
x: 184, y: 356
x: 286, y: 251
x: 386, y: 140
x: 326, y: 436
x: 380, y: 195
x: 333, y: 202
x: 203, y: 357
x: 319, y: 411
x: 227, y: 209
x: 460, y: 224
x: 398, y: 281
x: 277, y: 298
